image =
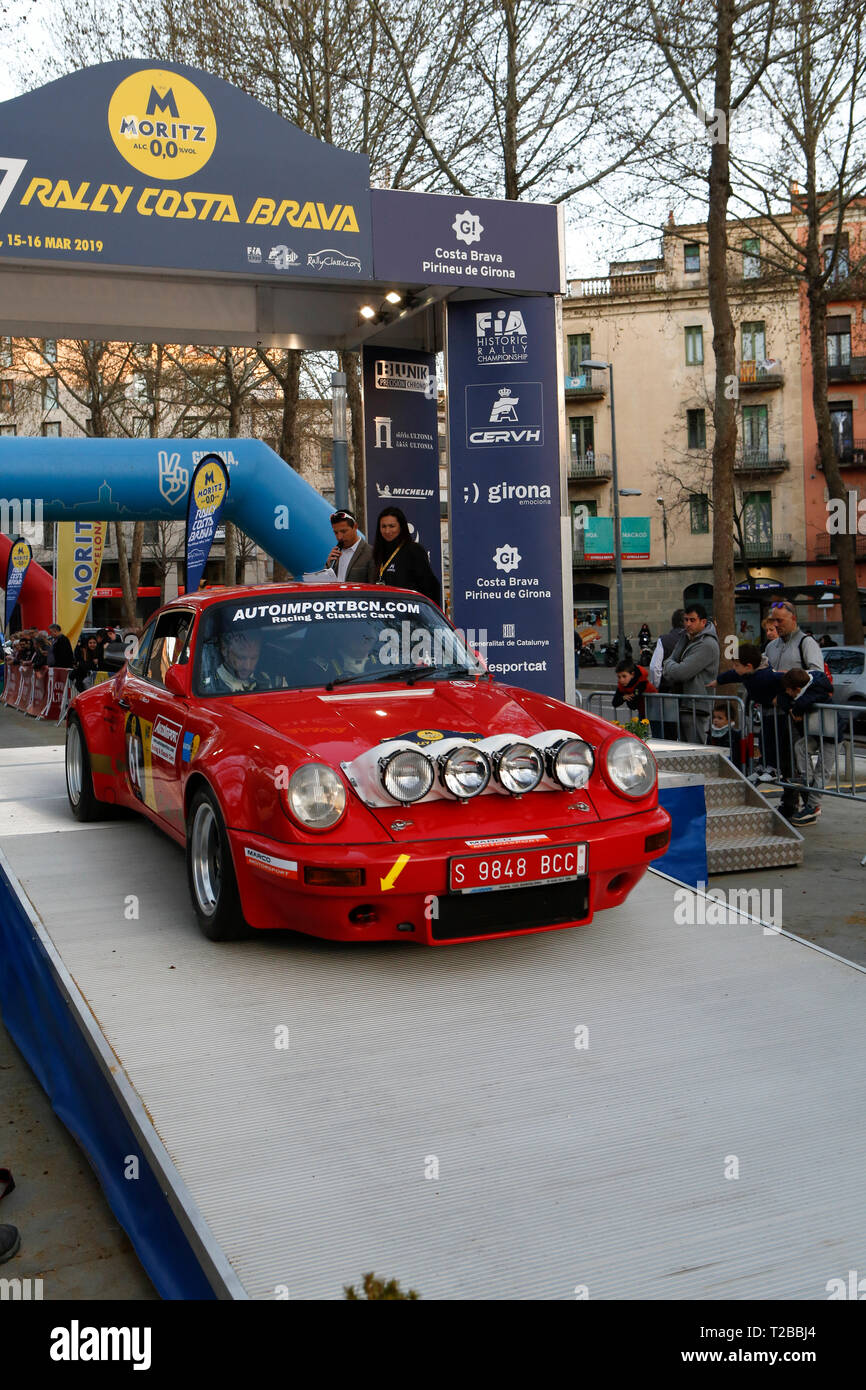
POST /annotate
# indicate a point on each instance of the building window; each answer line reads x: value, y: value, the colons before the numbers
x: 758, y: 518
x: 755, y: 434
x: 842, y: 425
x: 691, y: 257
x: 696, y: 421
x: 51, y: 429
x: 841, y: 267
x: 49, y: 393
x: 753, y: 342
x: 7, y: 396
x: 582, y: 429
x: 8, y: 429
x: 699, y: 513
x: 5, y: 352
x: 49, y: 349
x: 579, y: 512
x: 839, y: 340
x: 326, y: 455
x: 695, y: 346
x: 578, y: 350
x: 751, y: 258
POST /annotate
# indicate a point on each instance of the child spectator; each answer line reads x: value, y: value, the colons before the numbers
x: 724, y: 733
x: 632, y: 684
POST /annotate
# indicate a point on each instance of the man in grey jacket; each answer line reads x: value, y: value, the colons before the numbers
x: 352, y: 556
x: 689, y: 670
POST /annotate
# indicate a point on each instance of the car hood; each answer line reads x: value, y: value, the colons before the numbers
x: 338, y: 726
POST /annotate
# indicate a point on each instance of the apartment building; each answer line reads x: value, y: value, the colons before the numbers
x: 651, y: 320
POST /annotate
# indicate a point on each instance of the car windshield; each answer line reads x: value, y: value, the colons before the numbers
x: 296, y: 640
x: 844, y: 663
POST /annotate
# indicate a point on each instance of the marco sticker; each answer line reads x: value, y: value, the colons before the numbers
x: 162, y: 124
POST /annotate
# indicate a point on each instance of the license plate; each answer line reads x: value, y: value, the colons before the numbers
x: 516, y: 868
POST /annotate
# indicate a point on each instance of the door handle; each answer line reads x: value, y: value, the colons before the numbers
x: 123, y: 704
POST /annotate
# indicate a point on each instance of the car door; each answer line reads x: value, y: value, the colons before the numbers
x: 154, y: 719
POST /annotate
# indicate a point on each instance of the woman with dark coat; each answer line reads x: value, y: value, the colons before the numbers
x: 87, y: 656
x: 401, y: 561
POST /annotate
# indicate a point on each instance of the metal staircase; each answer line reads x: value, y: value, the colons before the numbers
x: 743, y: 831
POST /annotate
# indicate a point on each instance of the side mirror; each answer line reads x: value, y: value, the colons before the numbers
x: 177, y: 680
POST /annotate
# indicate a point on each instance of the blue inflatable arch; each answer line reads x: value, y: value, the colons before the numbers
x: 148, y: 479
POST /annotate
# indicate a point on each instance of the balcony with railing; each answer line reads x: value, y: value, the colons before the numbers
x: 609, y: 286
x: 590, y: 467
x: 779, y: 546
x: 763, y: 375
x: 587, y: 386
x: 851, y: 453
x: 772, y: 458
x: 853, y: 370
x: 824, y: 546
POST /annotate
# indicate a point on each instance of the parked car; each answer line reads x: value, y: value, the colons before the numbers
x: 847, y: 666
x: 336, y: 760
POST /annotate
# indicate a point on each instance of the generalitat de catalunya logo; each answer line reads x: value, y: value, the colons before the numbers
x: 162, y: 124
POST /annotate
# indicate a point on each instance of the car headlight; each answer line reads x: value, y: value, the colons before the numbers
x: 570, y: 763
x: 465, y: 771
x: 406, y: 775
x: 631, y: 766
x: 519, y: 768
x: 316, y: 796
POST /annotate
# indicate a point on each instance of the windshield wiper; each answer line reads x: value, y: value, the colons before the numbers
x: 443, y: 672
x: 373, y: 677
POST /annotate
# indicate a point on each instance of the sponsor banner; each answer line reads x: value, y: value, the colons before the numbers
x: 487, y: 243
x: 503, y: 423
x: 207, y: 495
x: 401, y: 443
x: 135, y: 163
x: 80, y: 545
x: 16, y: 570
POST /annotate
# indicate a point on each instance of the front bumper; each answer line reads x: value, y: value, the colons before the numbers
x: 410, y: 901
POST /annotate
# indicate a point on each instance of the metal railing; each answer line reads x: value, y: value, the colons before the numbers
x: 753, y: 373
x: 768, y: 546
x: 820, y: 755
x: 825, y: 546
x: 761, y: 460
x: 589, y: 465
x: 850, y: 454
x: 853, y: 370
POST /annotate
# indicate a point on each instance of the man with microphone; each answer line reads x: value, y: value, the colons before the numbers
x: 352, y: 556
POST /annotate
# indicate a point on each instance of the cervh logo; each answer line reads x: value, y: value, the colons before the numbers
x: 505, y: 415
x: 162, y: 124
x: 501, y: 337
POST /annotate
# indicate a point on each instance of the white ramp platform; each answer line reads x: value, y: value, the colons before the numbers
x: 432, y: 1117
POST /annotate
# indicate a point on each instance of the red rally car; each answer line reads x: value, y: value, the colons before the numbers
x: 337, y: 761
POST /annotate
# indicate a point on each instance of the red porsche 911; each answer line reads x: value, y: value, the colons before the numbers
x: 337, y: 761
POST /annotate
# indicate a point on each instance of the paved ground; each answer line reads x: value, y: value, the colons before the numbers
x: 70, y: 1237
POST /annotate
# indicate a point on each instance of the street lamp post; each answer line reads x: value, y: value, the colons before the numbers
x: 340, y: 440
x: 661, y: 502
x: 593, y: 364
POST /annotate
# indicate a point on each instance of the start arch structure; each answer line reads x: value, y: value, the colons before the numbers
x: 156, y: 203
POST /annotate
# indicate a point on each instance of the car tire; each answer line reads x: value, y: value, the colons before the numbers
x: 210, y: 871
x: 79, y: 778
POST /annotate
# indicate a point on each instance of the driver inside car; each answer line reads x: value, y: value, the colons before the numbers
x: 239, y: 653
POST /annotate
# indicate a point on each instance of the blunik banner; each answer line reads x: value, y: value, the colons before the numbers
x: 16, y: 570
x: 207, y: 494
x: 401, y: 439
x: 137, y: 163
x: 80, y: 546
x: 505, y: 489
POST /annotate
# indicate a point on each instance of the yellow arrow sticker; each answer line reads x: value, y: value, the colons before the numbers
x: 394, y: 873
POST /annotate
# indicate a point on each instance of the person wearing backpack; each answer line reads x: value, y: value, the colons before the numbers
x: 791, y: 650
